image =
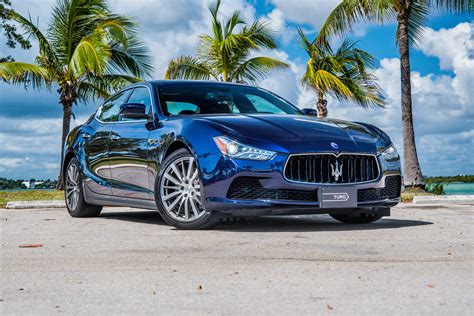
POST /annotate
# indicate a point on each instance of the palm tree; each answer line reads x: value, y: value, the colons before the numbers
x: 225, y: 55
x: 345, y: 74
x: 411, y: 16
x: 86, y: 53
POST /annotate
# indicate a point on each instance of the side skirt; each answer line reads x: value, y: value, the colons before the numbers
x: 108, y: 200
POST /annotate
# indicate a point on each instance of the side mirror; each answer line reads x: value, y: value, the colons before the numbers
x: 310, y: 112
x: 133, y: 111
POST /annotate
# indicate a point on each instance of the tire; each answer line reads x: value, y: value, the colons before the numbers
x: 178, y: 190
x: 356, y: 218
x: 74, y: 192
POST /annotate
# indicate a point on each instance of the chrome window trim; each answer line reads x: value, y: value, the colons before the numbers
x: 131, y: 121
x: 336, y: 155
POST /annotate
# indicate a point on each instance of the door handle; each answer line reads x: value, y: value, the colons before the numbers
x: 85, y: 136
x: 114, y: 137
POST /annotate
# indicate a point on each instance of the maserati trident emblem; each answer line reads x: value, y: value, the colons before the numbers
x: 334, y: 145
x: 336, y: 170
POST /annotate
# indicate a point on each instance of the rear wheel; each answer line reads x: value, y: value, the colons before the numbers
x: 361, y: 218
x: 178, y: 193
x: 74, y: 194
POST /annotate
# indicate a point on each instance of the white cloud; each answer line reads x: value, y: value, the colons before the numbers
x: 278, y: 23
x: 31, y: 146
x: 456, y: 53
x: 306, y: 11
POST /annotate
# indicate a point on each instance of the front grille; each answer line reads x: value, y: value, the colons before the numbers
x: 323, y: 168
x: 247, y: 188
x: 390, y: 191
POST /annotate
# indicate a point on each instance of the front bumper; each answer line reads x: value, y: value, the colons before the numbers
x: 218, y: 181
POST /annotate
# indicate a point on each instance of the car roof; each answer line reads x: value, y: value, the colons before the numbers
x: 192, y: 82
x: 160, y: 83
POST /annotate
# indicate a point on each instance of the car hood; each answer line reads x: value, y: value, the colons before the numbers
x: 296, y: 133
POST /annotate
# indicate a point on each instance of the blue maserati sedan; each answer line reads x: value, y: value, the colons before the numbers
x: 201, y: 152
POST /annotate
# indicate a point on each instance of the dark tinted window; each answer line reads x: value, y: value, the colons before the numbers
x: 208, y: 98
x: 141, y: 95
x: 110, y: 109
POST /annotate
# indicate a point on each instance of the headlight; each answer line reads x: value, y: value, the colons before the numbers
x: 390, y: 153
x: 233, y: 149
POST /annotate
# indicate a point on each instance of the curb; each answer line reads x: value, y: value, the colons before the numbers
x: 36, y: 204
x: 444, y: 199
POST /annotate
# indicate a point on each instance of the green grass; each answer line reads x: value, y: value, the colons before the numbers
x: 30, y: 195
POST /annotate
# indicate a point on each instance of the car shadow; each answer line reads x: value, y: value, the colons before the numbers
x: 306, y: 223
x: 145, y: 217
x: 300, y: 223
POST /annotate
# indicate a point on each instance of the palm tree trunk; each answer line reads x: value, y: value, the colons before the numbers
x: 411, y: 166
x: 321, y: 106
x: 67, y: 111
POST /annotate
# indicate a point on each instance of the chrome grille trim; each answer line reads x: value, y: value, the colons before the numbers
x: 372, y: 174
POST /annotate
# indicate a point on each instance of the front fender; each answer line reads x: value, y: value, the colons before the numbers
x: 196, y: 136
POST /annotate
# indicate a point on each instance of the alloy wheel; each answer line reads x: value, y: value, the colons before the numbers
x: 180, y: 190
x: 72, y: 186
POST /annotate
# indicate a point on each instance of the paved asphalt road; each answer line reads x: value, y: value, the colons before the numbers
x: 419, y: 261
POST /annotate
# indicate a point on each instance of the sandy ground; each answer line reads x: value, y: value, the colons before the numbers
x: 418, y: 261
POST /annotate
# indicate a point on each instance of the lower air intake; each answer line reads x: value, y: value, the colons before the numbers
x: 247, y: 188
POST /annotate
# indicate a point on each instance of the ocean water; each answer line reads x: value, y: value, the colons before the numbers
x: 459, y: 188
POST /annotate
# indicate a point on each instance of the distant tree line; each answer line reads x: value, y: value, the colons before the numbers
x: 450, y: 179
x: 9, y: 184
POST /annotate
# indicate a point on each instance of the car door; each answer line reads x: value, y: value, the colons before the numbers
x: 129, y: 151
x: 96, y: 143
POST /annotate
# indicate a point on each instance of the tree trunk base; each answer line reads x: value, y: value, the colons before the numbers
x: 417, y: 188
x: 321, y: 106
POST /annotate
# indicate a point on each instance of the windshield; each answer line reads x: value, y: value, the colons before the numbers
x: 209, y: 98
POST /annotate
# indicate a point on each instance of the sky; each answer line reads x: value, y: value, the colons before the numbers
x: 442, y: 78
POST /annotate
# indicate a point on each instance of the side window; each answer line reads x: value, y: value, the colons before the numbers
x: 110, y: 109
x: 262, y: 105
x: 176, y: 108
x: 141, y: 95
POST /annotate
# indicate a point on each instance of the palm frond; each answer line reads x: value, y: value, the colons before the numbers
x: 91, y: 55
x: 417, y: 21
x: 87, y: 91
x: 45, y: 47
x: 135, y: 59
x: 453, y: 6
x: 256, y: 68
x: 232, y: 23
x: 304, y: 42
x: 216, y: 25
x: 349, y: 12
x: 187, y: 67
x: 261, y: 34
x: 100, y: 87
x: 118, y: 28
x: 326, y: 82
x: 236, y: 42
x: 72, y: 20
x: 24, y: 73
x: 365, y: 90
